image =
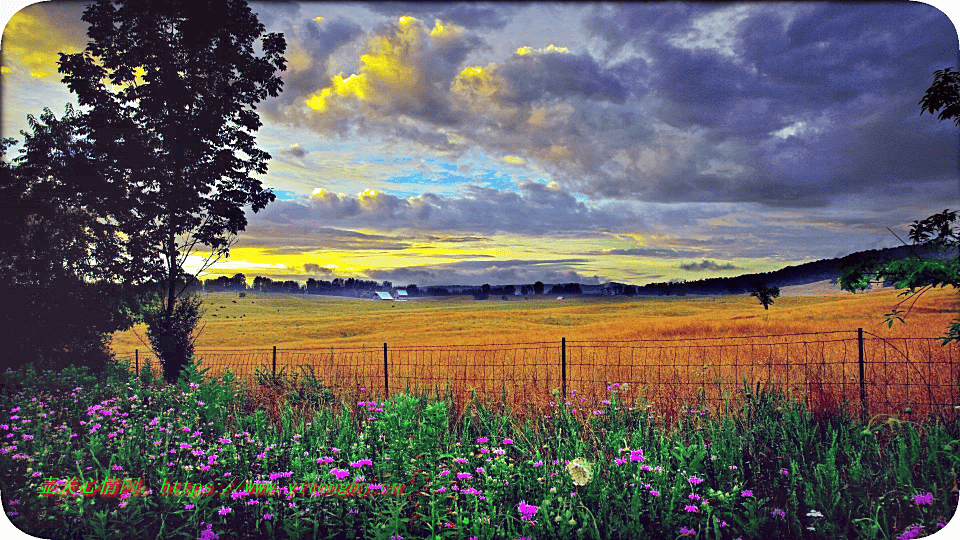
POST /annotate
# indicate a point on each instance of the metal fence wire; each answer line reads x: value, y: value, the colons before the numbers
x: 856, y: 370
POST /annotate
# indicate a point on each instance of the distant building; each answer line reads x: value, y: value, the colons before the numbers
x: 382, y: 296
x: 402, y: 295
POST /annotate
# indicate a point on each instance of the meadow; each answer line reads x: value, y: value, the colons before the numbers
x: 91, y: 455
x: 287, y: 321
x: 671, y: 351
x: 514, y: 457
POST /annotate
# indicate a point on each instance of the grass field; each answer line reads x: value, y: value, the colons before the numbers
x: 304, y: 321
x: 511, y: 349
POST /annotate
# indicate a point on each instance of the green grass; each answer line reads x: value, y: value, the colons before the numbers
x: 767, y: 470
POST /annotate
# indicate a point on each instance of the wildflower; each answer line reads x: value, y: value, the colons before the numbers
x: 498, y: 451
x: 923, y: 498
x: 268, y: 516
x: 694, y: 497
x: 746, y: 493
x: 911, y: 533
x: 654, y: 492
x: 482, y: 440
x: 784, y: 472
x: 461, y: 460
x: 480, y: 470
x: 325, y: 460
x: 464, y: 476
x: 484, y: 450
x: 185, y: 507
x: 527, y: 510
x: 814, y: 513
x: 694, y: 480
x: 339, y: 474
x: 579, y: 469
x: 224, y: 511
x: 687, y: 532
x: 778, y: 512
x: 508, y: 441
x: 690, y: 508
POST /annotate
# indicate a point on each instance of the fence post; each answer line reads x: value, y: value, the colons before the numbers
x: 274, y: 362
x: 136, y: 357
x: 563, y: 369
x: 863, y: 382
x: 386, y: 375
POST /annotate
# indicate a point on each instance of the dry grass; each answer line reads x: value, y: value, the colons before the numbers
x: 438, y: 342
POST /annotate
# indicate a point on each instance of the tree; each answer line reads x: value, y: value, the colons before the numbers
x: 169, y: 89
x: 538, y: 287
x: 936, y: 265
x: 765, y: 294
x: 920, y: 273
x: 57, y: 263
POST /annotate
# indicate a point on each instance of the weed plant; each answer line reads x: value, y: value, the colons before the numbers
x: 615, y: 468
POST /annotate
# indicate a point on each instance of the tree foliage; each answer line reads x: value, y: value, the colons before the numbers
x: 921, y: 273
x: 58, y: 263
x: 169, y: 90
x: 765, y: 294
x: 943, y: 96
x: 937, y: 234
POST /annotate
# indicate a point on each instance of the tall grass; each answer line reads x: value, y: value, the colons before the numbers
x: 760, y: 467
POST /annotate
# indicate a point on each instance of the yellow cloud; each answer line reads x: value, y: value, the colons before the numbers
x: 318, y: 19
x: 514, y: 159
x: 525, y: 50
x: 32, y: 42
x: 477, y: 81
x: 354, y: 85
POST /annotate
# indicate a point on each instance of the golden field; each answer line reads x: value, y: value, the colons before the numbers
x: 478, y: 345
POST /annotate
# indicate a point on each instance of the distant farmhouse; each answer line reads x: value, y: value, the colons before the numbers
x: 380, y: 295
x: 402, y: 295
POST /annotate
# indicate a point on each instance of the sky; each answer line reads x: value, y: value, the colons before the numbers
x: 439, y: 143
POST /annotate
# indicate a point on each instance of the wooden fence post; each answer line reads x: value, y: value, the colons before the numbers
x: 274, y: 362
x: 136, y: 357
x: 386, y: 374
x: 563, y: 369
x: 863, y: 382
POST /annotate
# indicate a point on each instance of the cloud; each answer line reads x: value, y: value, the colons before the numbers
x: 295, y: 239
x: 536, y: 209
x: 295, y: 150
x: 706, y: 265
x: 32, y: 46
x: 471, y: 15
x: 311, y: 268
x: 509, y: 272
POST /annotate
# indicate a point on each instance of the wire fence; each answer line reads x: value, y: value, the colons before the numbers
x: 855, y: 370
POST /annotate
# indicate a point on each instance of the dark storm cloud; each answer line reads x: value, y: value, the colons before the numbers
x: 536, y: 77
x: 293, y: 239
x: 491, y: 272
x: 468, y: 15
x: 536, y: 210
x: 706, y: 265
x: 660, y: 253
x: 811, y: 102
